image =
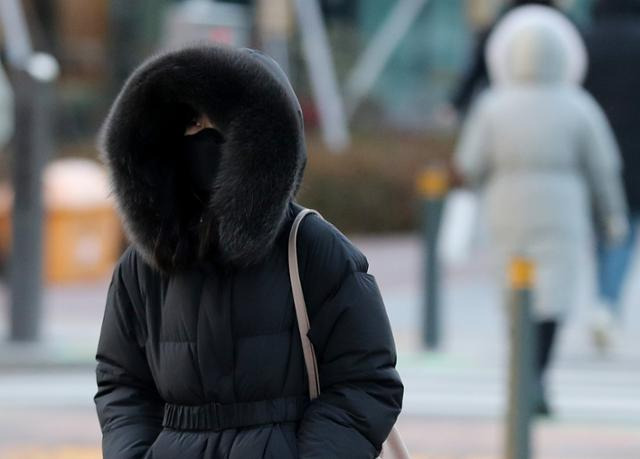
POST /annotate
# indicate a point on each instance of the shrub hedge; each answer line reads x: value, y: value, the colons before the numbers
x: 370, y: 188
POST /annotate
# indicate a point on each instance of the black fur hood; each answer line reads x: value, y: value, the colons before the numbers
x: 248, y: 96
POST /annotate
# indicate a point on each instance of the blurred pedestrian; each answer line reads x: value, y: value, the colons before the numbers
x: 199, y: 353
x: 541, y: 146
x: 613, y: 45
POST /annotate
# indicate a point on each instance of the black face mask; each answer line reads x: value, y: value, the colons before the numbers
x: 202, y: 155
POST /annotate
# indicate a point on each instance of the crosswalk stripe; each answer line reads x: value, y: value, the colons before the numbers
x: 451, y: 388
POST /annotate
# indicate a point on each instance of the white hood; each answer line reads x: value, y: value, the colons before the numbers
x: 536, y: 44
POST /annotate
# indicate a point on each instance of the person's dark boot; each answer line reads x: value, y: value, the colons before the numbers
x: 541, y: 406
x: 545, y: 338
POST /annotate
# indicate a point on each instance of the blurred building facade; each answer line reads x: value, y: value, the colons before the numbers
x: 99, y: 42
x: 435, y: 50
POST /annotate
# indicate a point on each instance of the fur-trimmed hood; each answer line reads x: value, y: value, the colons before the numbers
x: 248, y: 96
x: 535, y: 43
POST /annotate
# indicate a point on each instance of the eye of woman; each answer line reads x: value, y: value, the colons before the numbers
x: 197, y: 123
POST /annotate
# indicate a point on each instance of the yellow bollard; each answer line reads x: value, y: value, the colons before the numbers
x: 432, y: 186
x: 433, y: 182
x: 521, y: 273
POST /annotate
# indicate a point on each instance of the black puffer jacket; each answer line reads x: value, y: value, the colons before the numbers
x: 199, y: 354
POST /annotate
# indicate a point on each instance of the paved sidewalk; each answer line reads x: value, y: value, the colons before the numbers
x: 454, y: 399
x: 474, y: 325
x: 72, y: 433
x: 473, y: 320
x: 455, y: 438
x: 468, y: 376
x: 72, y: 316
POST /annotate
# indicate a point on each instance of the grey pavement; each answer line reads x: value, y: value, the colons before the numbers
x: 474, y: 317
x: 474, y: 320
x: 72, y: 315
x: 467, y: 377
x: 454, y: 398
x: 49, y: 414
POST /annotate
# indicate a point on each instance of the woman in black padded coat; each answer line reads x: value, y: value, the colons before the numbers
x: 199, y: 353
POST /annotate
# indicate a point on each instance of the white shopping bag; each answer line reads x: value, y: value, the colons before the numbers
x: 459, y: 227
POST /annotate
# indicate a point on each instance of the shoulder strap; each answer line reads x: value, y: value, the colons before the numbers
x: 393, y: 447
x: 301, y: 307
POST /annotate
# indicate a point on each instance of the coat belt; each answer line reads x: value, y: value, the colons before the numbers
x: 220, y: 416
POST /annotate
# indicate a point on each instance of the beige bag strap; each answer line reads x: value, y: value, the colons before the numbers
x: 393, y: 447
x: 301, y: 307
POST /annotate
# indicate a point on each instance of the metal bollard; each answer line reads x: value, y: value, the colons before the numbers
x: 432, y: 188
x: 33, y: 147
x: 522, y: 360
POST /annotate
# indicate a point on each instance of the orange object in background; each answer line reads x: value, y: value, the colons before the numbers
x: 521, y: 273
x: 82, y: 232
x: 81, y: 245
x: 433, y: 182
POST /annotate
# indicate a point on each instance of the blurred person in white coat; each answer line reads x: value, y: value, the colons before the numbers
x: 543, y: 152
